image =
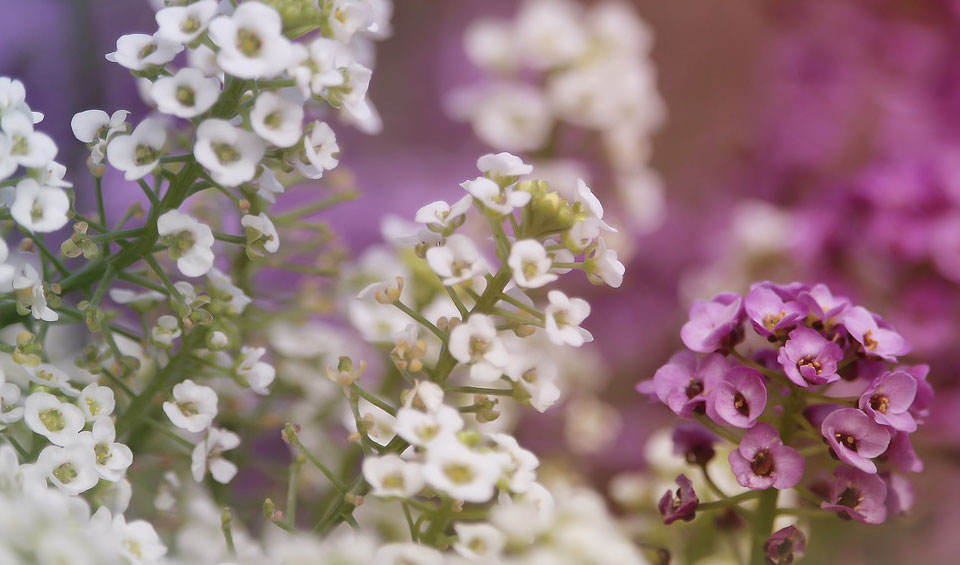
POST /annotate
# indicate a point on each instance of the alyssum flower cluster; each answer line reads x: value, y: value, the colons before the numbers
x: 819, y: 381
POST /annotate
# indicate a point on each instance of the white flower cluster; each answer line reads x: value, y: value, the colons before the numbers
x: 557, y: 63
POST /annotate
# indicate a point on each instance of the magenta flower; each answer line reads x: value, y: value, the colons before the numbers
x: 858, y: 495
x: 694, y: 443
x: 888, y: 401
x: 878, y: 341
x: 900, y: 494
x: 714, y: 324
x: 679, y: 505
x: 822, y: 304
x: 810, y: 359
x: 921, y: 404
x: 902, y: 455
x: 680, y: 384
x: 738, y: 398
x: 762, y: 461
x: 769, y: 313
x: 785, y: 546
x: 855, y: 438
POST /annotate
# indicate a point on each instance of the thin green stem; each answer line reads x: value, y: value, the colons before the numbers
x: 421, y: 320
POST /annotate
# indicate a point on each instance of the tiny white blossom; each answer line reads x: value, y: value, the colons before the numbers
x: 71, y: 469
x: 165, y: 331
x: 349, y: 17
x: 439, y: 216
x: 251, y: 41
x: 134, y: 298
x: 52, y: 175
x: 495, y: 199
x: 29, y: 289
x: 204, y: 59
x: 591, y: 203
x: 10, y: 409
x: 479, y: 542
x: 228, y: 292
x: 476, y: 343
x: 257, y: 374
x: 39, y: 208
x: 138, y: 51
x: 229, y: 153
x: 208, y: 454
x: 13, y: 96
x: 424, y: 396
x: 190, y: 242
x: 509, y: 116
x: 51, y: 376
x: 381, y: 423
x: 268, y: 187
x: 316, y: 67
x: 186, y: 94
x: 563, y: 317
x: 89, y: 126
x: 521, y: 472
x: 58, y: 421
x: 462, y: 473
x: 530, y: 264
x: 407, y: 554
x: 183, y: 24
x: 320, y: 151
x: 139, y: 152
x: 193, y: 407
x: 141, y: 543
x: 456, y: 261
x: 602, y: 265
x: 112, y: 459
x: 390, y: 475
x: 96, y: 401
x: 503, y: 165
x: 423, y: 428
x: 536, y: 374
x: 277, y: 119
x: 549, y: 33
x: 28, y: 148
x: 262, y: 236
x: 489, y: 43
x: 355, y: 107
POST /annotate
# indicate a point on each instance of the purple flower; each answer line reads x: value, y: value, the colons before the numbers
x: 900, y: 493
x: 680, y: 384
x: 809, y: 358
x: 888, y: 401
x: 679, y: 505
x: 902, y: 455
x: 858, y: 495
x: 855, y: 438
x: 738, y: 398
x: 713, y: 324
x: 769, y: 313
x: 879, y: 341
x: 762, y: 461
x: 785, y: 546
x: 822, y: 303
x: 694, y: 443
x: 921, y: 404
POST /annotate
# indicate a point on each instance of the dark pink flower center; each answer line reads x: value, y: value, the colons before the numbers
x: 762, y: 463
x: 880, y: 403
x: 694, y: 388
x: 846, y: 440
x: 868, y: 341
x: 740, y: 403
x: 850, y: 497
x: 809, y: 361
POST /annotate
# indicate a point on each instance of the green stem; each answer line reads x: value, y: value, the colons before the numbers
x: 762, y: 525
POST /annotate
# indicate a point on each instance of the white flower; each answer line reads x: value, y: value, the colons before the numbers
x: 10, y: 412
x: 96, y: 401
x: 489, y: 43
x: 51, y: 376
x: 251, y: 41
x: 407, y: 554
x: 166, y: 330
x: 591, y: 203
x: 138, y: 299
x: 549, y: 33
x: 457, y: 261
x: 262, y: 236
x: 208, y: 454
x: 268, y: 187
x: 12, y: 96
x: 112, y: 458
x: 523, y: 517
x: 186, y: 94
x: 320, y: 150
x: 316, y: 67
x: 602, y: 265
x: 29, y: 289
x: 204, y: 59
x: 138, y: 51
x: 479, y: 542
x: 92, y: 125
x: 183, y: 24
x: 530, y: 264
x: 563, y: 318
x: 390, y: 475
x: 509, y: 116
x: 423, y: 428
x: 227, y: 292
x: 38, y: 208
x: 353, y: 102
x: 277, y: 119
x: 424, y: 396
x: 59, y: 422
x: 193, y: 408
x: 521, y: 472
x: 140, y: 541
x: 139, y: 152
x: 501, y: 201
x: 536, y: 374
x: 71, y: 469
x: 28, y: 148
x: 440, y: 216
x: 189, y: 241
x: 503, y: 165
x: 477, y: 344
x: 348, y: 17
x: 256, y: 373
x: 462, y: 473
x: 52, y: 175
x: 229, y: 153
x: 7, y: 163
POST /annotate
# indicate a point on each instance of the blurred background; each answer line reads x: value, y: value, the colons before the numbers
x: 810, y: 140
